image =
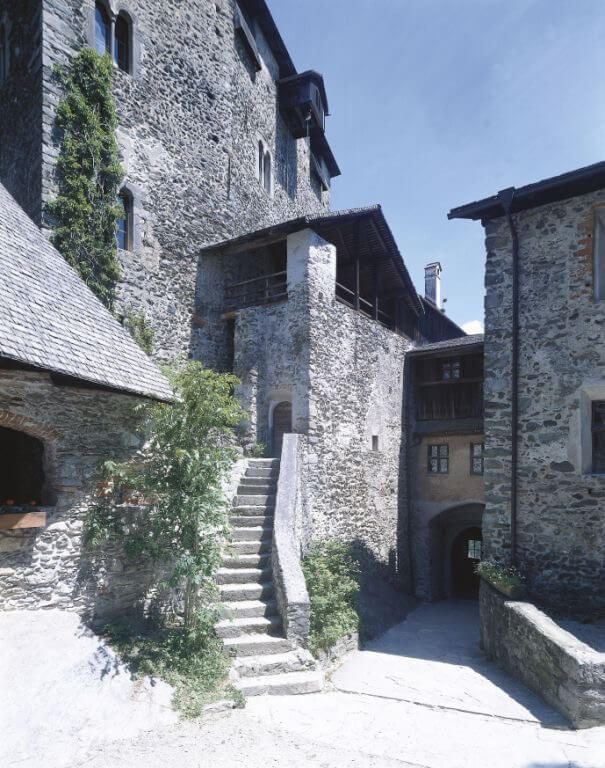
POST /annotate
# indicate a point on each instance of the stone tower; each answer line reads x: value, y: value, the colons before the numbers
x: 209, y: 147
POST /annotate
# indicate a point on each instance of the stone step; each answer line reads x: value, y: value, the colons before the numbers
x: 251, y: 500
x: 245, y: 521
x: 252, y: 625
x: 281, y: 685
x: 275, y: 664
x: 256, y: 510
x: 252, y: 533
x: 248, y: 609
x: 268, y: 489
x: 234, y: 593
x: 271, y: 463
x: 267, y: 472
x: 262, y: 482
x: 260, y: 546
x: 254, y: 560
x: 256, y: 645
x: 242, y: 575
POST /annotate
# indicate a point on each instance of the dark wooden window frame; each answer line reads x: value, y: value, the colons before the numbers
x: 440, y: 456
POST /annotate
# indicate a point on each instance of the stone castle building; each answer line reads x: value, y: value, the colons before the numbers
x: 369, y: 395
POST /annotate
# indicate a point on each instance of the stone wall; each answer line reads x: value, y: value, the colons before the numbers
x: 561, y: 668
x: 21, y: 105
x: 355, y: 394
x: 47, y: 567
x: 561, y: 517
x: 189, y: 123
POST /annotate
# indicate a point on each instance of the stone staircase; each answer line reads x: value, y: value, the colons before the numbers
x: 251, y: 628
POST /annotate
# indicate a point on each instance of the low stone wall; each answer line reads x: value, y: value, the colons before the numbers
x: 330, y: 659
x: 288, y: 578
x: 529, y: 645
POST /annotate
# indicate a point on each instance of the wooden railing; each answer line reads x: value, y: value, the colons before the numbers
x: 347, y: 296
x: 258, y: 291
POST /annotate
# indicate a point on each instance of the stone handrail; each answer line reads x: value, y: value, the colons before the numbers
x: 290, y: 588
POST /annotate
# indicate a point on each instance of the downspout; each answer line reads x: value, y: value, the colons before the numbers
x: 506, y: 198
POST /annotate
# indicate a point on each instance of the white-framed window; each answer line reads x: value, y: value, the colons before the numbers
x: 477, y: 458
x: 438, y: 459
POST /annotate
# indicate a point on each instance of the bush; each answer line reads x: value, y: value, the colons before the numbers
x: 495, y: 573
x: 332, y: 573
x: 194, y: 662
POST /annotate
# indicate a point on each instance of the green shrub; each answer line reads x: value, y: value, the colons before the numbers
x: 258, y: 451
x: 332, y: 573
x: 177, y: 479
x: 139, y: 327
x: 194, y: 662
x: 85, y: 211
x: 495, y: 573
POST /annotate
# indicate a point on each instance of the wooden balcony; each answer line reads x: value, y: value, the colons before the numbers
x: 257, y: 292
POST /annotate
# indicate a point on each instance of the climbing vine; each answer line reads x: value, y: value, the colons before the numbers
x: 85, y: 213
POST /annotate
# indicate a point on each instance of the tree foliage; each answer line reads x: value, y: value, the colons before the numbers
x: 85, y: 212
x: 177, y: 479
x: 332, y: 574
x: 139, y: 327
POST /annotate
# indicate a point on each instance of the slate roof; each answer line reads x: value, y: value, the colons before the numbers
x: 49, y: 318
x: 452, y: 345
x: 562, y: 187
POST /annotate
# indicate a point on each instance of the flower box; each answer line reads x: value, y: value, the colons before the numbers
x: 19, y: 518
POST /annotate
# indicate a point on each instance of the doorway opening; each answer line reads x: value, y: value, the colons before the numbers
x: 466, y: 553
x: 282, y: 425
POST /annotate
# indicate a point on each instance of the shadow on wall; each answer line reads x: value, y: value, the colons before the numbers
x: 381, y: 602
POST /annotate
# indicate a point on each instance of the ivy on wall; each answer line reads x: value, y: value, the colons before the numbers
x: 85, y: 213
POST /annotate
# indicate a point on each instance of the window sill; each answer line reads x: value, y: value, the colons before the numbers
x: 21, y: 519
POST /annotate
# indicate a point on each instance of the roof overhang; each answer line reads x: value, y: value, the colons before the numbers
x: 260, y: 11
x: 329, y: 226
x: 461, y: 346
x: 579, y: 182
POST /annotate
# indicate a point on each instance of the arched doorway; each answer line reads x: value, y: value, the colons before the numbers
x: 282, y: 425
x: 466, y: 553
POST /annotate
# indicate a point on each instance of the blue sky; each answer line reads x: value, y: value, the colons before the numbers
x: 436, y: 103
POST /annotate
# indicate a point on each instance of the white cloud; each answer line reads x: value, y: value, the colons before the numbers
x: 473, y: 326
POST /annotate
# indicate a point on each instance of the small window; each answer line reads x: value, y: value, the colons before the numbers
x: 450, y: 370
x: 124, y: 229
x: 102, y: 29
x: 121, y: 52
x: 598, y: 437
x: 477, y: 458
x: 439, y: 459
x: 3, y: 54
x: 599, y: 255
x: 265, y: 167
x: 374, y: 442
x: 474, y: 549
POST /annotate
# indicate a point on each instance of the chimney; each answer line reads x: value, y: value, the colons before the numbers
x: 432, y: 283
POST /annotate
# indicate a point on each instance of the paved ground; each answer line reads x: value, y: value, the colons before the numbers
x: 421, y: 695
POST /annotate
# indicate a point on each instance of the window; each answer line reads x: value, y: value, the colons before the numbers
x: 121, y: 52
x: 124, y: 230
x: 438, y: 459
x: 102, y: 29
x: 598, y: 437
x: 265, y: 169
x: 474, y: 549
x: 3, y: 54
x: 374, y: 442
x: 477, y: 458
x: 450, y: 370
x: 599, y: 255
